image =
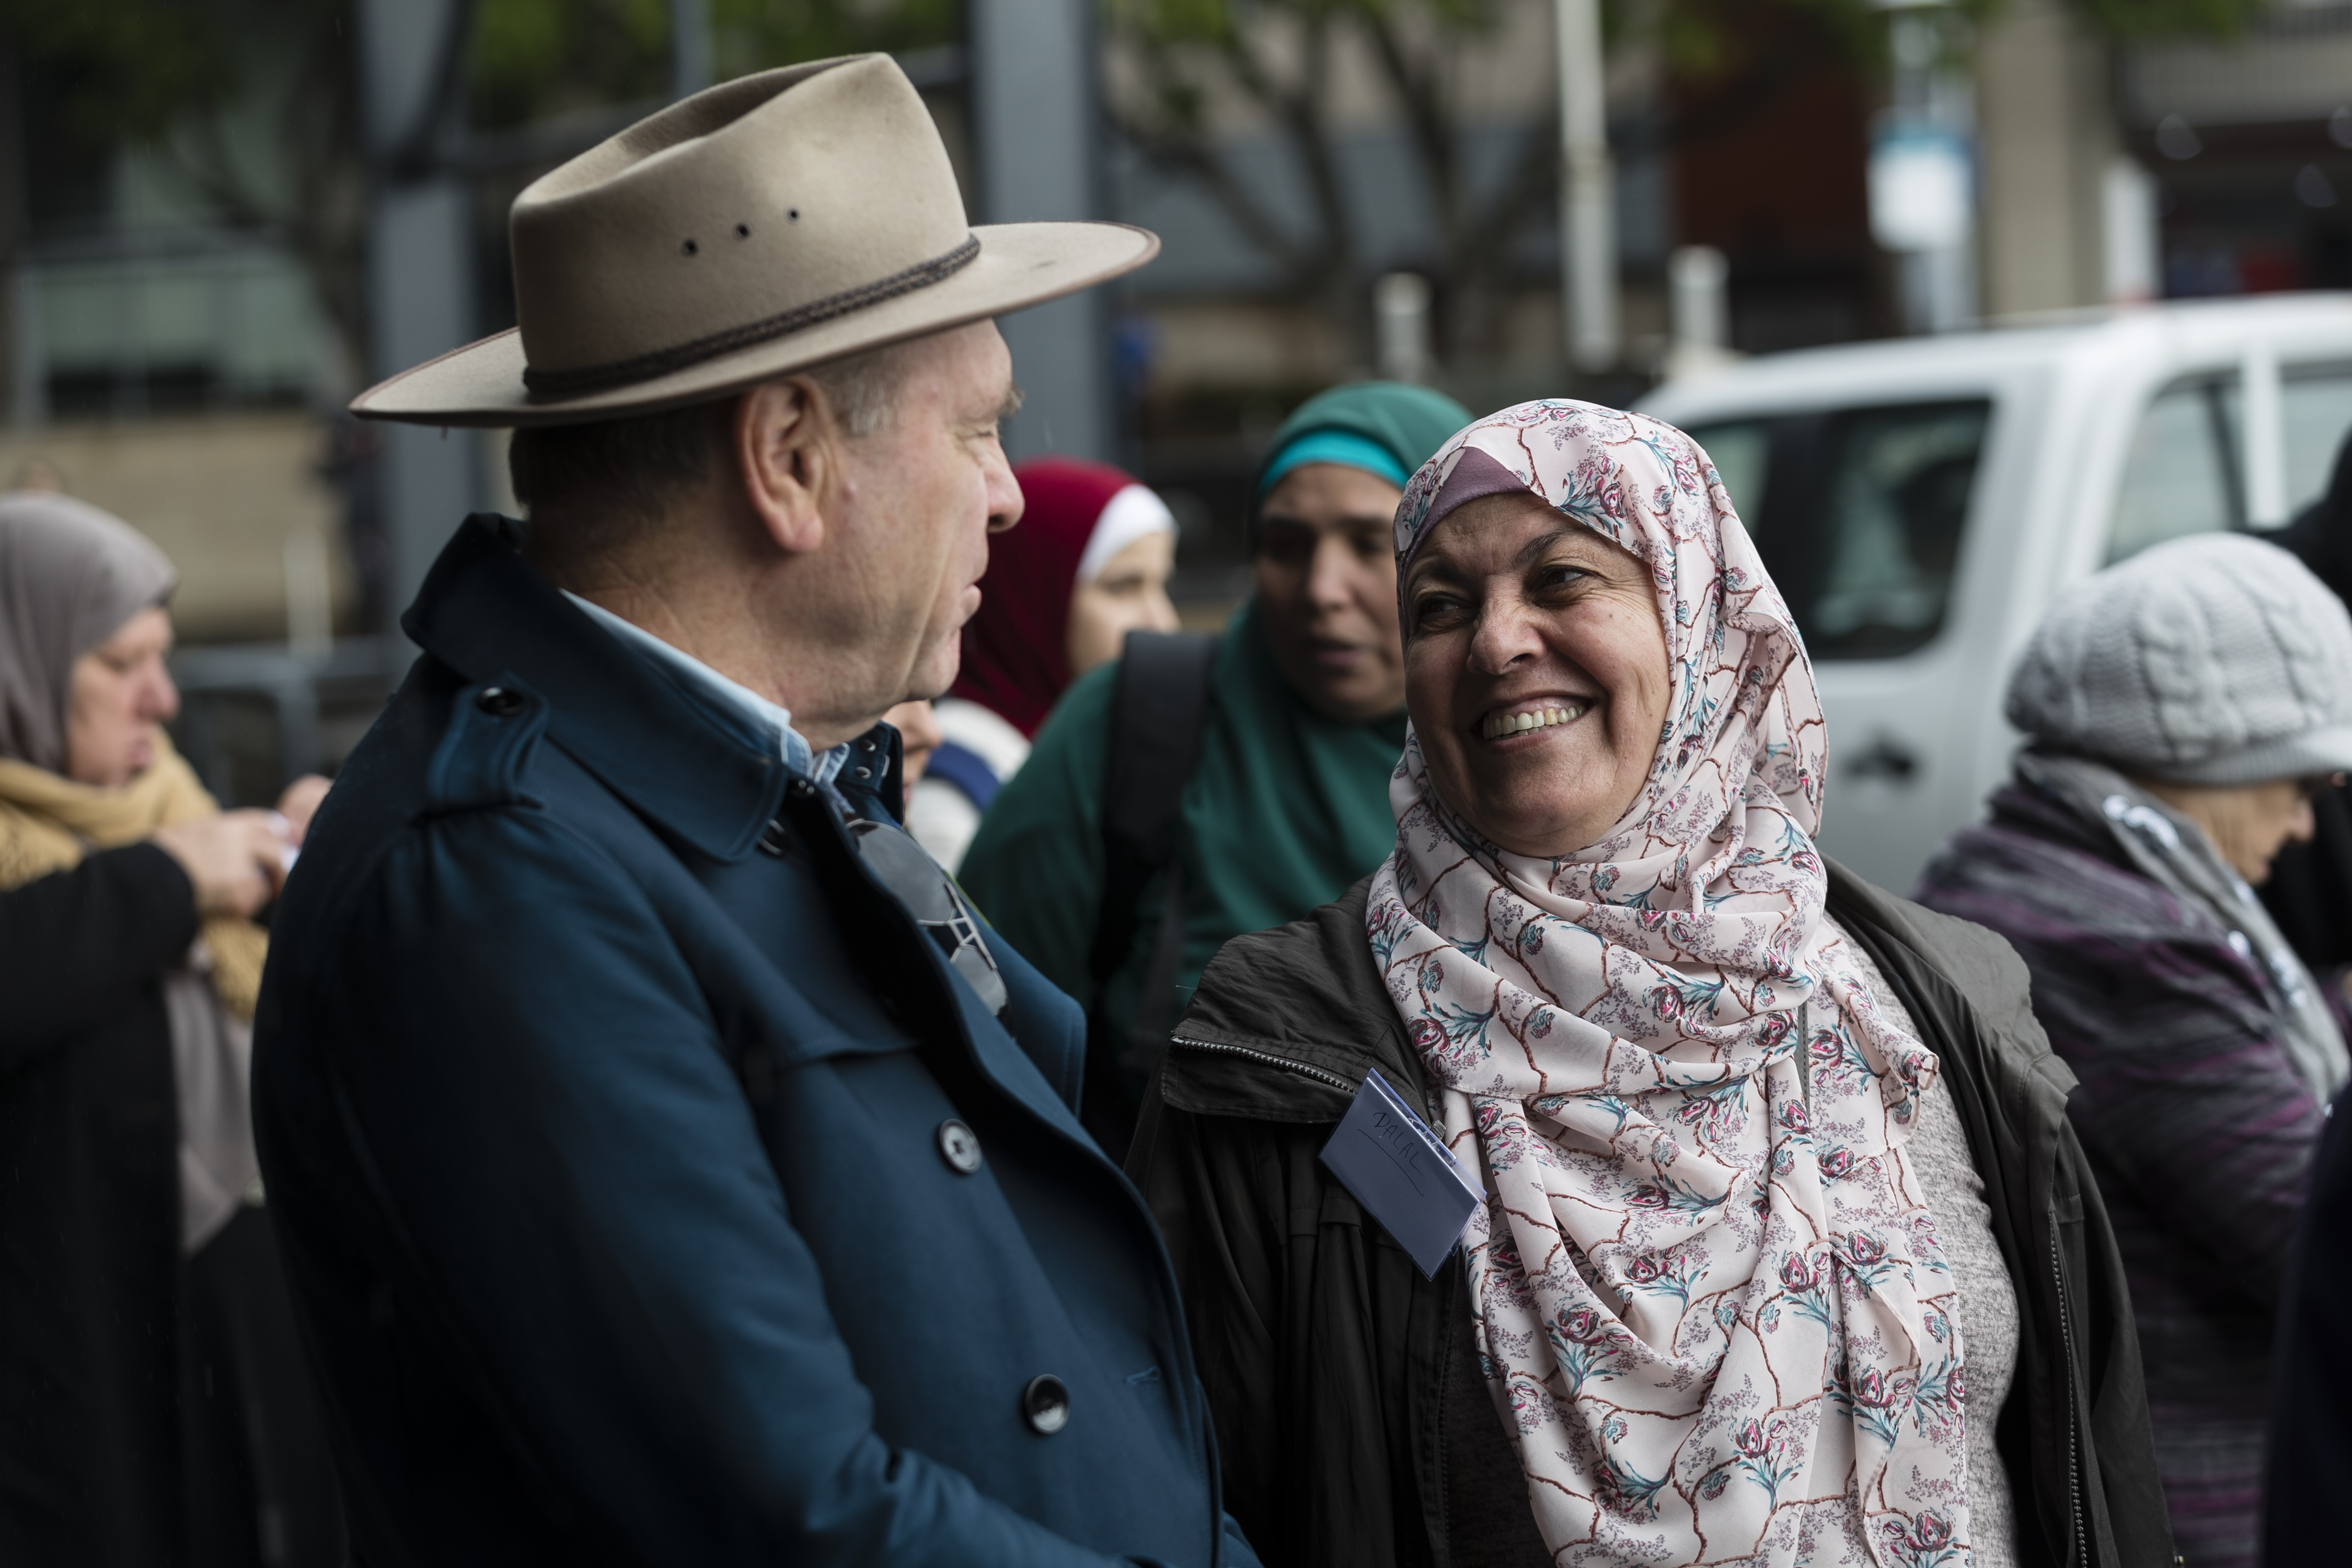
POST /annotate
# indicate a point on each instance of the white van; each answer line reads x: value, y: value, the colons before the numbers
x: 1920, y: 501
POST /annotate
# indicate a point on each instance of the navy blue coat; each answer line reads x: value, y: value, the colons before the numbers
x: 602, y: 1140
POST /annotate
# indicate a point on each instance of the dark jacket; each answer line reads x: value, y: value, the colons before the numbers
x: 603, y: 1097
x: 89, y: 1213
x: 2310, y: 1448
x: 2197, y: 1127
x: 1325, y: 1351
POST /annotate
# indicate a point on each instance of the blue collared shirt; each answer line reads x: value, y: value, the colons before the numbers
x: 776, y: 720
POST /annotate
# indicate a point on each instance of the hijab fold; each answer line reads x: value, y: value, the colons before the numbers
x: 1712, y: 1307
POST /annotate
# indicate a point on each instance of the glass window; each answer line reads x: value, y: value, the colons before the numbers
x: 1894, y: 500
x: 1859, y: 515
x: 1741, y: 452
x: 2316, y: 405
x: 2181, y: 475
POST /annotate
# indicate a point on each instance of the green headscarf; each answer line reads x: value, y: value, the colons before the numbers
x: 1407, y: 423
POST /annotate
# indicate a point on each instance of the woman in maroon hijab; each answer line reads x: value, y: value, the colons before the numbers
x: 1087, y: 565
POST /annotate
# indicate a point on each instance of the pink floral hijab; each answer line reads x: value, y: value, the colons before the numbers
x: 1712, y: 1308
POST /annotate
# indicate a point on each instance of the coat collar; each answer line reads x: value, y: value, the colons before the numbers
x: 1285, y: 1023
x: 682, y: 759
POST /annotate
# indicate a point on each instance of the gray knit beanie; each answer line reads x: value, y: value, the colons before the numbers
x: 2215, y: 659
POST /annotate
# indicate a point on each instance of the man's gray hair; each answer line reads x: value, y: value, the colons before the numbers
x: 611, y: 475
x: 863, y: 388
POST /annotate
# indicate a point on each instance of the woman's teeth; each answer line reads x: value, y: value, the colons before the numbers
x: 1501, y: 724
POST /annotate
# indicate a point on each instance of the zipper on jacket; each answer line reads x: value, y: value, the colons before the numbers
x: 2075, y: 1552
x: 1334, y: 1080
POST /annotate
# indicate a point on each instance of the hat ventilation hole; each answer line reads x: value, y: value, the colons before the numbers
x: 792, y: 215
x: 691, y: 247
x: 743, y: 231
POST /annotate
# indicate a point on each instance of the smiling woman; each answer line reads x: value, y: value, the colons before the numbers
x: 1755, y: 1270
x: 1535, y: 670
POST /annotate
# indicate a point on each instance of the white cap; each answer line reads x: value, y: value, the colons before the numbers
x: 1131, y: 514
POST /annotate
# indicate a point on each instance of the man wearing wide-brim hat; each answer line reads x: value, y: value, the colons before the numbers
x: 670, y: 1167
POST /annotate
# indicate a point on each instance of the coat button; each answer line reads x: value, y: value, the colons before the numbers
x: 1045, y: 1405
x: 959, y: 1147
x: 498, y: 702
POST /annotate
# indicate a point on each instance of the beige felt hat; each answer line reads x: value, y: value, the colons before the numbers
x: 766, y: 225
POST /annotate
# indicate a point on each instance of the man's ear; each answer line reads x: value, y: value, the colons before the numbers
x: 788, y: 455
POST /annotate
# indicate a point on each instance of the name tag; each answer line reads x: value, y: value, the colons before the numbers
x: 1386, y: 1156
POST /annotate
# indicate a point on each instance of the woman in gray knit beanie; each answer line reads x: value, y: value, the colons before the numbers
x: 2181, y: 707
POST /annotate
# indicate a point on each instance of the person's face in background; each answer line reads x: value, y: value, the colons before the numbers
x: 1326, y: 573
x: 1129, y: 595
x: 2248, y: 824
x: 919, y: 736
x: 121, y: 693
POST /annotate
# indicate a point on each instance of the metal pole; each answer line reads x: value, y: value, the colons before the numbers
x: 420, y: 275
x: 1401, y: 323
x: 1588, y: 216
x: 1697, y: 310
x: 2265, y: 438
x: 1037, y: 135
x: 689, y: 47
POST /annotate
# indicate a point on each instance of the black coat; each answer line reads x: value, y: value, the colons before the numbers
x: 1325, y: 1351
x: 2311, y: 1390
x: 89, y: 1213
x: 2309, y: 892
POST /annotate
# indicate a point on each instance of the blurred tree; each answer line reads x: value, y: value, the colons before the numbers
x: 1191, y: 60
x: 254, y: 102
x: 534, y: 58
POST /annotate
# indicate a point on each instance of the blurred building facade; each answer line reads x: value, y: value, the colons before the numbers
x: 191, y: 292
x: 169, y: 349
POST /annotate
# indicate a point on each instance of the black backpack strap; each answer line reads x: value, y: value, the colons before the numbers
x: 1159, y: 711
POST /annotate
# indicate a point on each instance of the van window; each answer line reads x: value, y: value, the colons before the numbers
x: 1742, y: 455
x: 1859, y: 515
x: 2181, y: 475
x: 2315, y: 407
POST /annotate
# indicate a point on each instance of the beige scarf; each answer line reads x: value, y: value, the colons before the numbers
x: 49, y: 822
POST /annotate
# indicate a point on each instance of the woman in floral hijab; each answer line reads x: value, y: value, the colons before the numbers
x: 1738, y: 1291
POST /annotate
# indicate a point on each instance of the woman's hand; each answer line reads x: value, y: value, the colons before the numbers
x: 237, y: 860
x: 300, y: 803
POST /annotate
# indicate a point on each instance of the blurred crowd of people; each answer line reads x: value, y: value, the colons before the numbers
x: 2005, y: 1226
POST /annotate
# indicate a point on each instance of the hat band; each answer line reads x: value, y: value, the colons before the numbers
x: 662, y: 361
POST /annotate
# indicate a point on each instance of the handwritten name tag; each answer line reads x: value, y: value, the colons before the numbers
x: 1385, y: 1154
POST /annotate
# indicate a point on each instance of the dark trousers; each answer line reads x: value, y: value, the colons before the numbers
x: 260, y: 1483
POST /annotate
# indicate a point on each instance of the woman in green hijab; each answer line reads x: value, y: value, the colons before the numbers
x: 1288, y: 803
